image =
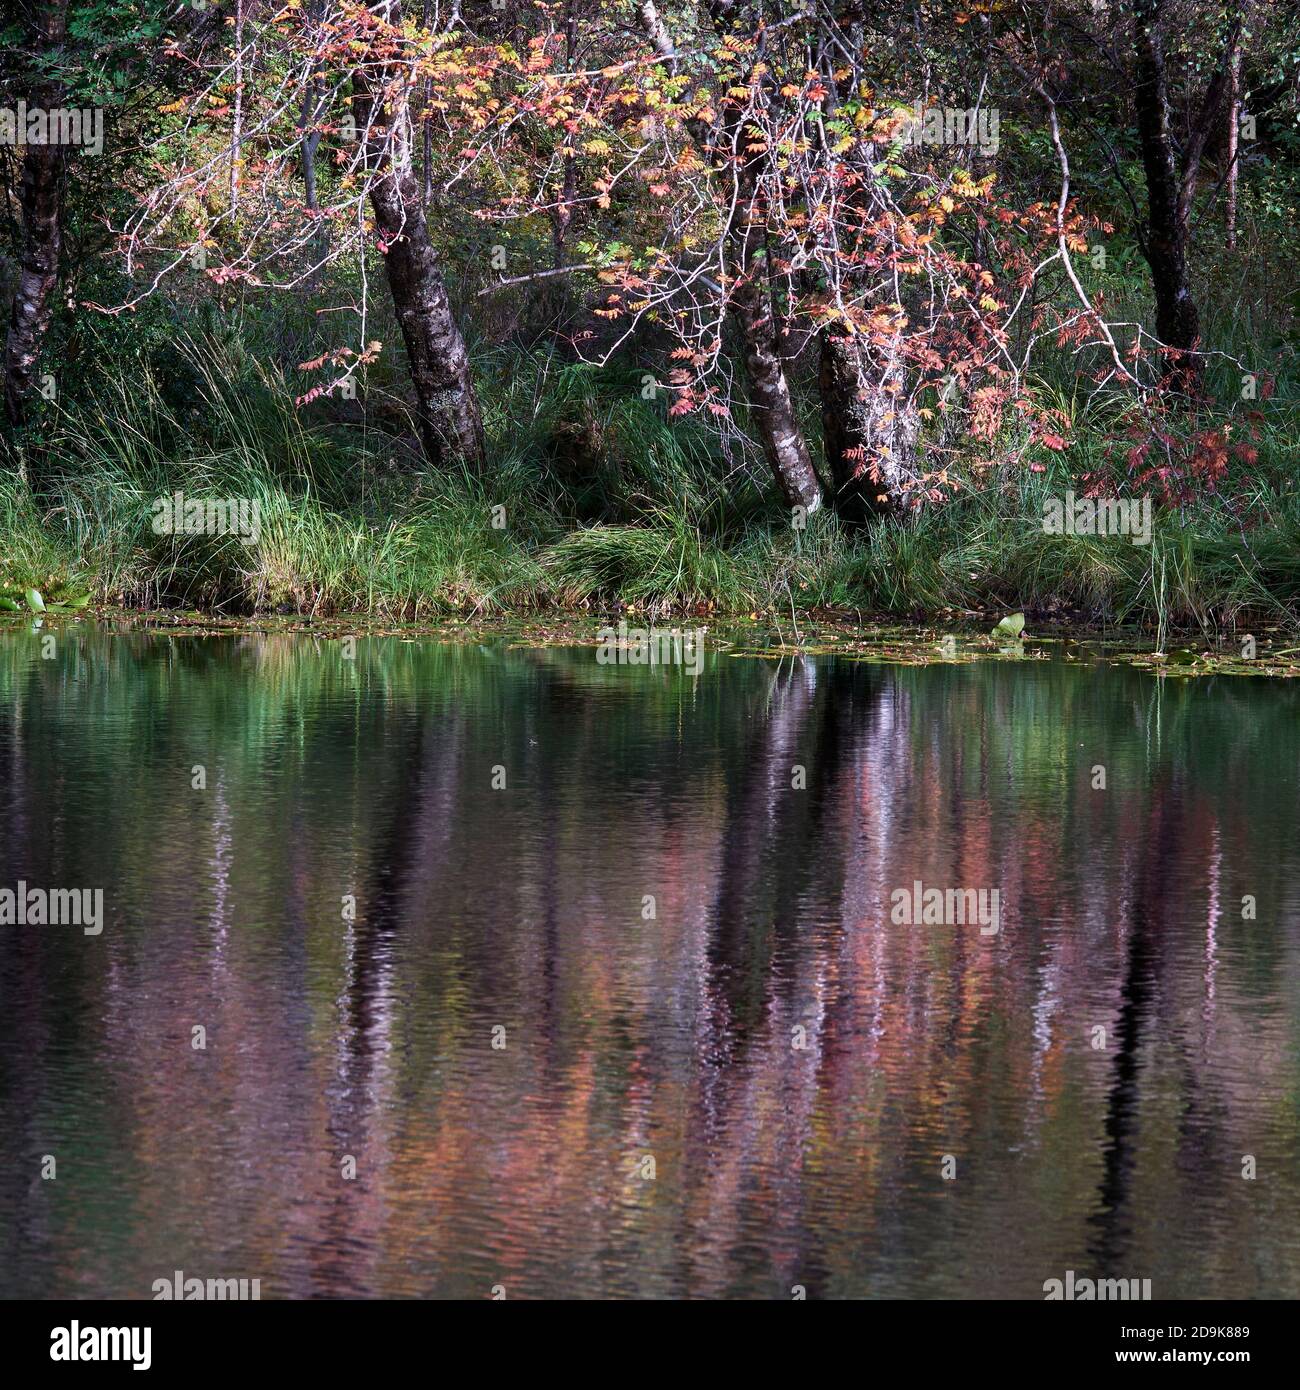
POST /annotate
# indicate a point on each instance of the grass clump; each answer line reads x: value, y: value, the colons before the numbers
x: 593, y: 498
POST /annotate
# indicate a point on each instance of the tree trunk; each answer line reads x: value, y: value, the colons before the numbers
x: 1234, y: 122
x: 310, y: 143
x: 769, y: 390
x: 770, y: 400
x: 870, y: 433
x: 450, y: 423
x: 1177, y: 319
x: 750, y: 299
x: 447, y: 405
x: 33, y: 307
x: 41, y: 197
x: 562, y: 215
x: 237, y: 121
x: 426, y: 127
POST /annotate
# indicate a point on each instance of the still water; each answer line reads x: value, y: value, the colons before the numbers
x: 641, y: 1021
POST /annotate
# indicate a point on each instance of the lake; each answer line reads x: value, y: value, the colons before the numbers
x: 454, y: 968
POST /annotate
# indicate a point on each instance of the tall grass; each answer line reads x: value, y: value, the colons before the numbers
x: 605, y: 501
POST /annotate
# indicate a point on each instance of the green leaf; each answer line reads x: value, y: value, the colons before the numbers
x: 34, y: 601
x: 7, y: 605
x: 1010, y: 626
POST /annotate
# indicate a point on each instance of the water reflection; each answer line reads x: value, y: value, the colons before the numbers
x: 674, y: 922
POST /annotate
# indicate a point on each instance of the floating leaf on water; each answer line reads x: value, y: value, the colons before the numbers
x: 1010, y: 626
x: 9, y: 606
x: 34, y: 601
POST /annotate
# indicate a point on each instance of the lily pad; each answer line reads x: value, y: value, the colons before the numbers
x: 34, y: 601
x: 1010, y: 626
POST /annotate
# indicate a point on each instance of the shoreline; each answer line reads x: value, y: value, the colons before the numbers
x: 874, y: 638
